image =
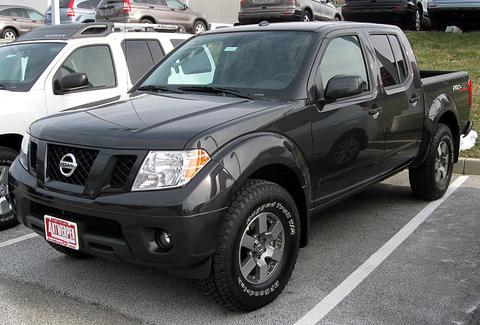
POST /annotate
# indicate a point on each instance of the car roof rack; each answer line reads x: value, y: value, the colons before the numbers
x: 73, y: 31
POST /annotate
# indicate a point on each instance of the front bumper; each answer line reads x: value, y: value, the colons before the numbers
x: 122, y: 226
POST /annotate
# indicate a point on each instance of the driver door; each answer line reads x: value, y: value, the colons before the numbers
x: 103, y: 86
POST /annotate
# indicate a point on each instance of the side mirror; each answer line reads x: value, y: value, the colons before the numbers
x: 72, y: 82
x: 342, y: 86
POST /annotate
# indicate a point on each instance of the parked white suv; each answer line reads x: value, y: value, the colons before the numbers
x: 59, y: 68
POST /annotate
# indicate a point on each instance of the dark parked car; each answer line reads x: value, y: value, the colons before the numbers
x: 232, y: 143
x: 16, y: 20
x: 152, y: 12
x: 255, y: 11
x: 409, y: 14
x: 462, y: 13
x: 74, y: 11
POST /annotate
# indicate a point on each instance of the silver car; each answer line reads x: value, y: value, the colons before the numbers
x: 75, y: 11
x: 16, y: 20
x: 255, y: 11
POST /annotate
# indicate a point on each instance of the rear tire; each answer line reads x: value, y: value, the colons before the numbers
x: 9, y: 34
x: 307, y: 16
x: 257, y: 248
x: 7, y: 218
x: 431, y: 179
x: 69, y: 252
x: 417, y: 21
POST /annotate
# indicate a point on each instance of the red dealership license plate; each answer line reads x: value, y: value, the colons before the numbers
x: 61, y: 232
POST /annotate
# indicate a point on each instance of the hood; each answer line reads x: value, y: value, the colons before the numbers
x: 145, y: 122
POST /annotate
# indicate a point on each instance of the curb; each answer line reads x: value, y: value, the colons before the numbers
x: 467, y: 166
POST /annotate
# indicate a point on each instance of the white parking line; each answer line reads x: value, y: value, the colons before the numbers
x: 349, y: 284
x: 17, y: 240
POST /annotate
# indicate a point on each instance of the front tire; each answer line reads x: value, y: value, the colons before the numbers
x: 7, y: 217
x: 199, y: 27
x: 257, y: 248
x: 417, y: 21
x: 9, y: 34
x: 430, y: 180
x: 307, y: 16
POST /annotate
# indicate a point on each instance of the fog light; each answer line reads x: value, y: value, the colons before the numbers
x: 164, y: 239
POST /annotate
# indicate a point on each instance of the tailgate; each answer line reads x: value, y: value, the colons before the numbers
x: 110, y: 8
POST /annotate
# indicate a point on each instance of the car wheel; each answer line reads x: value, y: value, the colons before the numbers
x: 417, y: 22
x: 337, y: 18
x: 146, y: 21
x: 199, y: 27
x: 68, y: 251
x: 7, y: 217
x: 431, y: 179
x: 9, y: 34
x: 257, y: 247
x: 307, y: 16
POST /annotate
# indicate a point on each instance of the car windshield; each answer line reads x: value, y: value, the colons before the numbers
x: 22, y: 64
x: 251, y: 64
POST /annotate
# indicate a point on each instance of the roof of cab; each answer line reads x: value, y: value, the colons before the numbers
x: 298, y: 26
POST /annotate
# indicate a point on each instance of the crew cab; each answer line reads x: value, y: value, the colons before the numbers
x: 409, y: 14
x: 58, y: 68
x: 215, y: 178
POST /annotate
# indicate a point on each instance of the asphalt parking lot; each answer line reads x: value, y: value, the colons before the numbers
x: 352, y: 271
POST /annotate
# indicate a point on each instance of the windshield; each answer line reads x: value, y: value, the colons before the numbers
x: 22, y: 64
x: 259, y: 64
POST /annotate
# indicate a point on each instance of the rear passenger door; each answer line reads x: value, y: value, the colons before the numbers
x: 141, y: 56
x: 347, y: 135
x: 400, y: 96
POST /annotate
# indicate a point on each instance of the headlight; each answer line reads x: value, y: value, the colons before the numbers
x: 169, y: 169
x: 24, y: 151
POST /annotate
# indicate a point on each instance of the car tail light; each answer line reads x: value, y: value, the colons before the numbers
x: 70, y: 10
x: 470, y: 93
x: 127, y: 6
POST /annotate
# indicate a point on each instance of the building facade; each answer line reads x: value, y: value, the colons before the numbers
x: 40, y: 5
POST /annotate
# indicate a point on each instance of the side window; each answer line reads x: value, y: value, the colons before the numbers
x: 15, y: 12
x: 33, y: 15
x: 175, y: 4
x: 352, y: 60
x: 386, y: 60
x: 85, y: 5
x: 139, y: 59
x: 156, y: 50
x: 400, y: 57
x: 87, y: 60
x: 177, y: 42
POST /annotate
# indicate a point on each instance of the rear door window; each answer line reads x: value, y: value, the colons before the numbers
x: 33, y: 15
x: 88, y: 60
x: 400, y: 57
x: 141, y: 56
x: 15, y: 12
x: 386, y: 60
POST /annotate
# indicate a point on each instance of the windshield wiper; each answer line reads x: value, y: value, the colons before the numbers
x: 218, y: 90
x: 154, y: 88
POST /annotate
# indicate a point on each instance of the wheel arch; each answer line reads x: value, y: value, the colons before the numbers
x: 12, y: 141
x: 11, y: 27
x: 273, y: 158
x: 149, y: 18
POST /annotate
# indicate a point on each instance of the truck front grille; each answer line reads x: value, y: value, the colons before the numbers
x: 84, y: 158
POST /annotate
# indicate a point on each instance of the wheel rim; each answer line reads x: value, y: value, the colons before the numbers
x: 442, y: 162
x: 9, y: 35
x: 306, y: 17
x: 346, y: 151
x: 418, y: 23
x: 261, y: 248
x: 199, y: 29
x: 5, y: 206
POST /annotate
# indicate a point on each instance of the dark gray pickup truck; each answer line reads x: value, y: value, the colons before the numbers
x: 226, y: 149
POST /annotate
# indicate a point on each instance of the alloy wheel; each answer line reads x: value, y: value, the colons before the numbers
x: 306, y: 18
x: 442, y: 161
x: 200, y: 28
x: 418, y: 21
x: 9, y: 35
x: 261, y: 248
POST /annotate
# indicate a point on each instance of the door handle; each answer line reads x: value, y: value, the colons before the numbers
x: 375, y: 111
x: 414, y: 99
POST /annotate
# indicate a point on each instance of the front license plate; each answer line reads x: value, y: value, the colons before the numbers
x: 61, y: 232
